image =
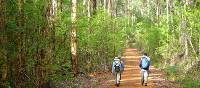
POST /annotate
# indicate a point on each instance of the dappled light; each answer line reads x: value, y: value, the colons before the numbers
x: 74, y: 43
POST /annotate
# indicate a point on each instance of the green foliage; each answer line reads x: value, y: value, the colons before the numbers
x: 188, y: 82
x: 166, y: 42
x: 39, y: 45
x: 171, y: 72
x: 99, y: 40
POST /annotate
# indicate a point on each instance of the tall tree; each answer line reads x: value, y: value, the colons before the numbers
x: 3, y: 41
x: 94, y: 6
x: 167, y: 11
x: 89, y: 9
x: 20, y: 58
x: 105, y: 4
x: 61, y: 5
x: 110, y: 7
x: 73, y: 37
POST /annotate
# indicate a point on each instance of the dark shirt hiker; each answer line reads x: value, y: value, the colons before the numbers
x: 117, y: 69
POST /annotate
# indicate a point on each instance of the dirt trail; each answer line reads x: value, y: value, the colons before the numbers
x: 131, y: 74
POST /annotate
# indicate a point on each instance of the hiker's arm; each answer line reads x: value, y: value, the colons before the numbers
x: 149, y: 66
x: 140, y: 65
x: 113, y: 67
x: 122, y: 66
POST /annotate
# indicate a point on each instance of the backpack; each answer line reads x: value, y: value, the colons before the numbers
x: 117, y: 67
x: 144, y: 63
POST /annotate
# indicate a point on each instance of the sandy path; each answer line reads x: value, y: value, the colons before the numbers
x: 131, y: 74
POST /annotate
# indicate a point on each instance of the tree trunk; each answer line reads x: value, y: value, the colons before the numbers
x: 128, y: 13
x: 89, y: 9
x: 85, y: 6
x: 61, y: 5
x: 148, y: 6
x: 158, y: 12
x: 73, y: 38
x: 20, y: 54
x: 105, y: 4
x: 110, y: 7
x: 94, y: 7
x: 89, y: 15
x: 54, y: 7
x: 171, y: 13
x: 53, y: 31
x: 3, y: 41
x: 167, y: 11
x: 84, y: 2
x: 167, y: 23
x: 115, y: 7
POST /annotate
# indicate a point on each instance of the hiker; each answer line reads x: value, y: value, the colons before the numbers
x: 144, y: 66
x: 117, y: 69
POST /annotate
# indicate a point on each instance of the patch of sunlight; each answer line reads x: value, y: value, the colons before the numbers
x: 150, y: 78
x: 128, y: 66
x: 155, y: 74
x: 131, y: 69
x: 136, y: 75
x: 136, y: 66
x: 149, y: 84
x: 130, y: 49
x: 111, y: 80
x: 157, y: 79
x: 130, y: 76
x: 131, y: 56
x: 133, y: 60
x: 131, y: 79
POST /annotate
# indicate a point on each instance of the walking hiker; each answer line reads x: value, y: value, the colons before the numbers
x: 117, y: 69
x: 144, y: 66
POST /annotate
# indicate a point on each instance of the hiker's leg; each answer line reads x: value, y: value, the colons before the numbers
x: 142, y: 77
x: 115, y: 78
x: 118, y: 77
x: 145, y: 76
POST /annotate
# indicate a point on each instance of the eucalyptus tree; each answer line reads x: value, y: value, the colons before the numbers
x: 73, y: 37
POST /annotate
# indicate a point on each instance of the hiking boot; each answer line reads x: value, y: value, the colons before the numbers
x: 145, y: 84
x: 117, y: 85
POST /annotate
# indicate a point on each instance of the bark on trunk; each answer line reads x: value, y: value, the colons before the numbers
x: 105, y: 4
x: 3, y: 41
x: 73, y: 38
x: 94, y: 7
x: 110, y: 7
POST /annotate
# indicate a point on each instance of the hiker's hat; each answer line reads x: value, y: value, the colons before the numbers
x: 116, y: 58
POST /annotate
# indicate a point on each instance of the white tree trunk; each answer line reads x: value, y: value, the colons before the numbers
x: 89, y: 9
x: 54, y: 7
x: 84, y: 2
x: 110, y: 7
x: 171, y: 13
x: 73, y: 37
x: 105, y: 4
x: 167, y: 11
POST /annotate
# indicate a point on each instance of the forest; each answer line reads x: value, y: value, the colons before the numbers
x: 46, y: 42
